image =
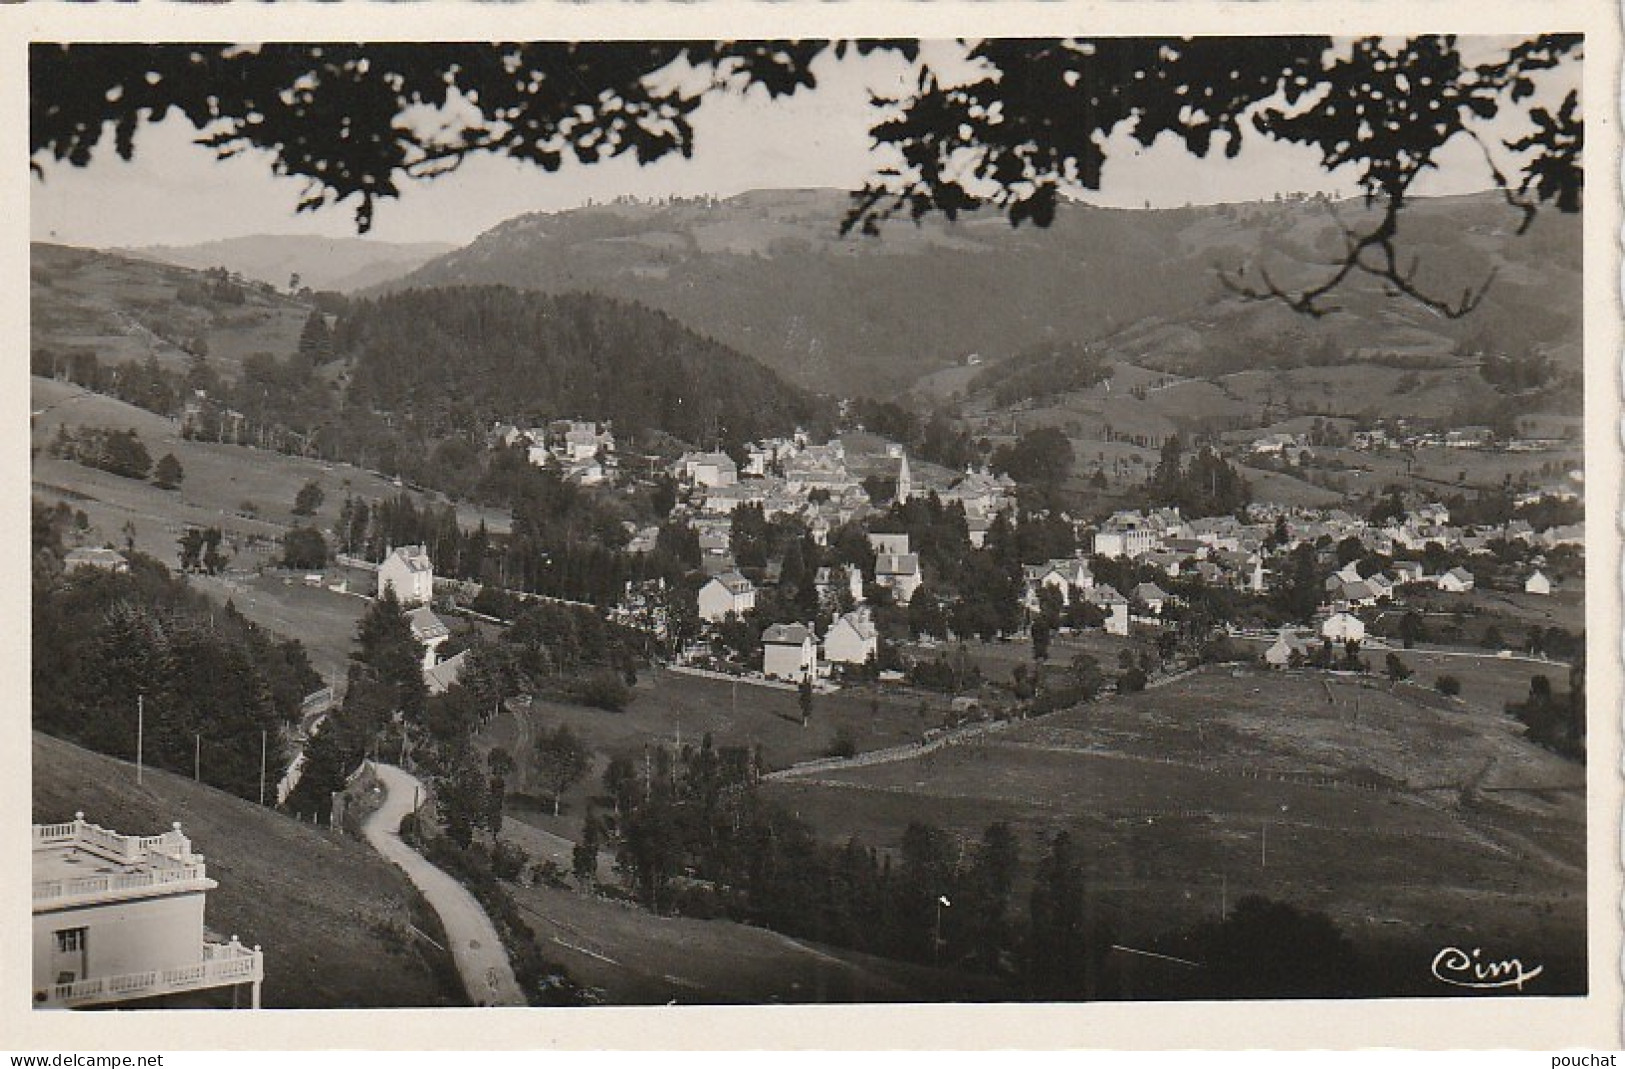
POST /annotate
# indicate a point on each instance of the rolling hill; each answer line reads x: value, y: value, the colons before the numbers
x: 767, y: 273
x: 124, y: 309
x: 439, y: 358
x: 342, y: 264
x: 433, y: 355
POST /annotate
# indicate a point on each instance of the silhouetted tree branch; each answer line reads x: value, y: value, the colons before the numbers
x: 1031, y: 124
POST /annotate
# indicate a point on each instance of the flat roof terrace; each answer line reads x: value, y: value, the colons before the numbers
x: 77, y: 862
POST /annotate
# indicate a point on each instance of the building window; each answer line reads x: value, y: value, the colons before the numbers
x: 70, y: 940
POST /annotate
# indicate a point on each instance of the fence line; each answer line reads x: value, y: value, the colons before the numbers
x: 1307, y: 779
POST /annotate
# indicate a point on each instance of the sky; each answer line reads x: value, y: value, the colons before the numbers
x: 175, y: 192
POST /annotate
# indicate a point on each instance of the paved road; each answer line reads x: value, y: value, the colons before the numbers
x: 487, y: 974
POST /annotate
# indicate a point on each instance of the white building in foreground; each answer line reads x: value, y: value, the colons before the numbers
x: 120, y: 917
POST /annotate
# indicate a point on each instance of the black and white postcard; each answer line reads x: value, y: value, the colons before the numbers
x: 985, y: 526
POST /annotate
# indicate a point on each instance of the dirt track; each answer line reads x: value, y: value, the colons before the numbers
x: 487, y: 974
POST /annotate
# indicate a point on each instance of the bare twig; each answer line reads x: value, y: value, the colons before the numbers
x: 1371, y: 253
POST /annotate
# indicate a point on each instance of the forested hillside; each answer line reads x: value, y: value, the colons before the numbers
x: 438, y: 357
x: 211, y: 680
x: 767, y: 273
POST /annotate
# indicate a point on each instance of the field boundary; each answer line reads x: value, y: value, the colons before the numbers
x: 1302, y: 779
x: 752, y: 681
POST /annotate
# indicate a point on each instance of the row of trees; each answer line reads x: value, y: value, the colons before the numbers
x: 1552, y: 719
x: 119, y: 452
x: 691, y: 833
x: 1206, y: 485
x: 934, y: 437
x: 384, y: 697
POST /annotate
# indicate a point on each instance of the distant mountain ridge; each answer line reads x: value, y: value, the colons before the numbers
x: 342, y: 264
x: 767, y: 273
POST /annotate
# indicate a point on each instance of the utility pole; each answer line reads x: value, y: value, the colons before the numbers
x: 262, y: 767
x: 197, y: 757
x: 1264, y: 847
x: 140, y: 733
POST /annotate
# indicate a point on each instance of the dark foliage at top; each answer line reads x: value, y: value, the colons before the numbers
x: 1031, y: 123
x: 329, y: 112
x: 1383, y: 108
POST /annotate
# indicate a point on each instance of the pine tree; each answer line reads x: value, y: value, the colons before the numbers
x: 315, y: 340
x: 584, y: 858
x: 1066, y: 944
x: 389, y: 655
x: 168, y: 474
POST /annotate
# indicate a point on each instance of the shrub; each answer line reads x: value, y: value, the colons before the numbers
x: 548, y: 872
x: 491, y: 601
x: 169, y: 474
x: 508, y: 860
x: 601, y: 690
x: 308, y: 499
x: 1447, y: 685
x: 304, y: 548
x: 842, y: 744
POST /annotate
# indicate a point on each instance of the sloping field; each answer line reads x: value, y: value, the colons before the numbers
x: 669, y: 706
x: 1222, y: 784
x: 1311, y: 723
x: 323, y: 620
x: 126, y: 309
x: 219, y: 481
x: 637, y: 958
x: 332, y: 917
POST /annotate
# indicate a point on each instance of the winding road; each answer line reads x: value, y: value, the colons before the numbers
x: 481, y: 961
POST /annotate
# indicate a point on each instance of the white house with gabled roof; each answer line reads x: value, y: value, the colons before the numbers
x: 790, y: 652
x: 707, y: 469
x: 729, y: 592
x: 409, y: 571
x: 899, y: 573
x: 430, y: 632
x: 1456, y: 581
x: 852, y: 639
x: 108, y: 560
x: 1343, y: 627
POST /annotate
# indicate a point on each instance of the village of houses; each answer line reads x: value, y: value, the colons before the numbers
x: 823, y: 486
x: 94, y: 871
